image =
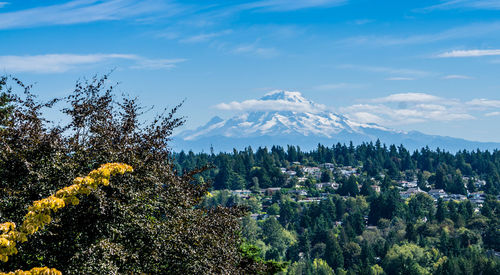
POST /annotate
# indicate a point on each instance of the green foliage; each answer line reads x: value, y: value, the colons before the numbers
x: 147, y: 222
x: 349, y: 188
x: 278, y: 238
x: 421, y: 206
x: 409, y: 259
x: 252, y: 262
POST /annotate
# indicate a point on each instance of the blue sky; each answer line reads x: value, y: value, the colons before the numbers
x: 431, y: 66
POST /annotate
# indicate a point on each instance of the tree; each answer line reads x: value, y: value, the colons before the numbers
x: 137, y: 224
x: 470, y: 186
x: 421, y: 205
x: 376, y: 270
x: 387, y: 205
x: 320, y: 267
x: 352, y: 251
x: 273, y: 209
x: 349, y: 187
x: 457, y: 185
x: 326, y: 176
x: 366, y: 189
x: 441, y: 211
x: 249, y: 229
x: 5, y: 99
x: 276, y: 237
x: 333, y: 252
x: 408, y: 259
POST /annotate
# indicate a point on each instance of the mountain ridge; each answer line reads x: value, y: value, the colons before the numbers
x: 287, y: 118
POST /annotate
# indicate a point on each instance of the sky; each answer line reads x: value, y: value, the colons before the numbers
x: 431, y: 66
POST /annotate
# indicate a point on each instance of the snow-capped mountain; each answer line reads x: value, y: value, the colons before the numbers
x: 288, y: 118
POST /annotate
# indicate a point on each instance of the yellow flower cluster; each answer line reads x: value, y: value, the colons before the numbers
x: 39, y: 213
x: 35, y: 271
x: 8, y: 237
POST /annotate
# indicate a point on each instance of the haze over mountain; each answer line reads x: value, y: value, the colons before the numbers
x: 283, y: 117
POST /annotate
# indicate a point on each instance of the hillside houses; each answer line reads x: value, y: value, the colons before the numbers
x: 327, y: 165
x: 437, y: 193
x: 314, y: 172
x: 410, y: 192
x: 348, y: 170
x: 323, y: 185
x: 408, y: 187
x: 241, y: 193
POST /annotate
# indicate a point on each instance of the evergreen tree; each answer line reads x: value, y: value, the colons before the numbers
x: 333, y: 253
x: 349, y: 187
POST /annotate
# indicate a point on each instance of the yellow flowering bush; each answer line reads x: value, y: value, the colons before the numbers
x: 35, y: 271
x: 39, y: 214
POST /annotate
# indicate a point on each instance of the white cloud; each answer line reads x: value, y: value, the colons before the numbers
x: 366, y: 117
x: 456, y: 76
x: 83, y: 11
x: 469, y: 53
x: 484, y: 103
x: 387, y: 115
x: 493, y: 114
x: 407, y: 108
x: 58, y: 63
x: 397, y: 78
x: 392, y: 110
x: 408, y: 97
x: 290, y: 5
x: 3, y: 4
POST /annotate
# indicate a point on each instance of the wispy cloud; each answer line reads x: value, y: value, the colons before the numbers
x: 493, y: 114
x: 290, y: 5
x: 204, y: 37
x: 338, y: 86
x: 484, y: 103
x: 461, y: 32
x: 456, y: 76
x: 83, y: 11
x: 362, y: 21
x: 408, y: 97
x: 156, y: 64
x: 59, y: 63
x: 465, y: 4
x: 3, y: 4
x: 387, y: 70
x: 399, y: 78
x: 255, y: 50
x: 469, y: 53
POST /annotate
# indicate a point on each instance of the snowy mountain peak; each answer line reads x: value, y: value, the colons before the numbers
x: 283, y: 117
x: 288, y: 114
x: 285, y: 95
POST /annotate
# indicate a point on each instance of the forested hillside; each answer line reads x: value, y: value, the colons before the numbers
x: 367, y: 209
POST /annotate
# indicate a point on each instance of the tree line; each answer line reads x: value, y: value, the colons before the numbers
x: 441, y: 169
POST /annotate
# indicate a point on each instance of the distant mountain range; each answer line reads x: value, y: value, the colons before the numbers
x: 305, y: 128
